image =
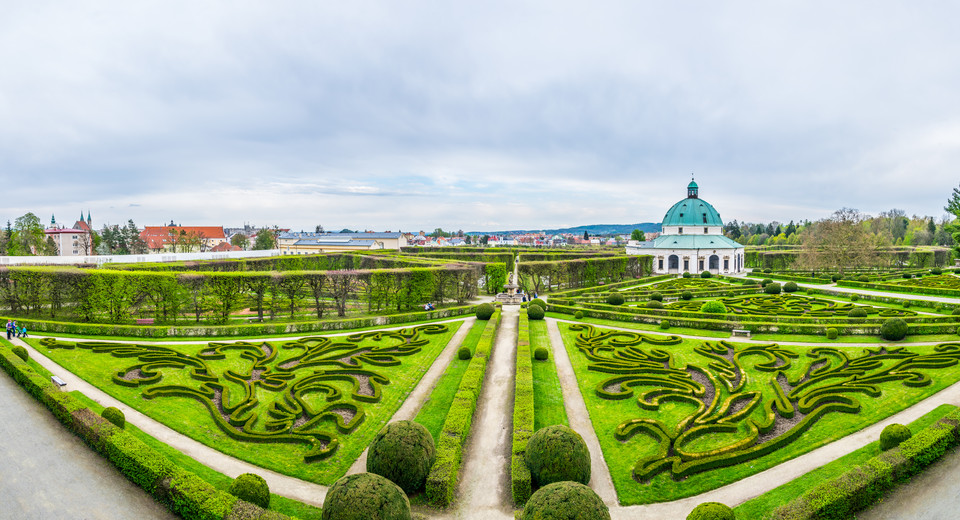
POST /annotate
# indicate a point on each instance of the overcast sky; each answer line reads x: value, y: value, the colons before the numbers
x: 474, y: 115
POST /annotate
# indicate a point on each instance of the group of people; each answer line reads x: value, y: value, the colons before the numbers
x: 428, y: 307
x: 15, y: 332
x: 527, y: 297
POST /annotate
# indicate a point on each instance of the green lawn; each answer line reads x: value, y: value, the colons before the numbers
x: 326, y: 399
x: 740, y: 404
x: 548, y: 406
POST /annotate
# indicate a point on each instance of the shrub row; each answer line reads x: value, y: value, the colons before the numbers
x: 523, y: 416
x: 182, y: 492
x: 862, y: 485
x: 908, y: 289
x: 583, y: 272
x: 445, y: 473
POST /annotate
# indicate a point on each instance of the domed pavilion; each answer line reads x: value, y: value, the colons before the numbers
x: 692, y: 240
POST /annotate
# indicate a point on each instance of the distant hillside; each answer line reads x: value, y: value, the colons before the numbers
x: 592, y: 229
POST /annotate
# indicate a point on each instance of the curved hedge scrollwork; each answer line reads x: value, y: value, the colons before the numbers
x: 740, y: 403
x: 340, y: 371
x: 790, y: 305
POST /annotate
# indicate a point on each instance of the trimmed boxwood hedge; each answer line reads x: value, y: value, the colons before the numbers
x: 557, y: 453
x: 252, y: 488
x: 364, y: 496
x: 892, y: 435
x: 402, y: 451
x: 563, y: 501
x: 523, y: 416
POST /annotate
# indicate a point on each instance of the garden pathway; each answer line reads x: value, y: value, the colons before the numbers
x: 306, y: 492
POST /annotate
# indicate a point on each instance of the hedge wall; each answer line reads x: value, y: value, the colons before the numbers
x: 863, y: 485
x: 907, y: 289
x: 585, y: 272
x: 445, y: 472
x: 523, y: 415
x: 182, y: 492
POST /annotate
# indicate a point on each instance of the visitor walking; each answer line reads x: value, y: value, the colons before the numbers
x: 9, y: 329
x: 23, y: 332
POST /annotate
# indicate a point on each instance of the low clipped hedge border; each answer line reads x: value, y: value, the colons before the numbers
x: 906, y: 289
x: 252, y: 329
x: 181, y: 491
x: 862, y: 485
x: 445, y: 472
x: 523, y: 416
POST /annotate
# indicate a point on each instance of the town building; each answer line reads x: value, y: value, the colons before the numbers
x: 76, y: 240
x: 691, y: 240
x: 303, y: 243
x: 182, y: 239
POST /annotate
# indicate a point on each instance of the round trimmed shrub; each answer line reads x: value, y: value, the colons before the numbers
x: 772, y: 288
x: 252, y: 488
x: 790, y: 287
x: 863, y: 278
x: 765, y: 282
x: 541, y: 303
x: 656, y: 296
x: 541, y: 354
x: 706, y: 274
x: 20, y: 352
x: 578, y: 315
x: 535, y: 312
x: 936, y: 271
x: 857, y: 312
x: 906, y: 304
x: 832, y: 333
x: 686, y: 274
x: 892, y: 435
x: 363, y: 496
x: 893, y: 329
x: 485, y: 311
x: 116, y: 416
x: 557, y: 453
x: 956, y: 312
x: 907, y: 276
x: 713, y: 307
x: 855, y: 298
x: 615, y: 299
x: 464, y: 353
x: 403, y: 452
x: 711, y: 511
x: 654, y: 304
x: 664, y: 324
x: 565, y: 500
x: 835, y: 278
x: 686, y: 295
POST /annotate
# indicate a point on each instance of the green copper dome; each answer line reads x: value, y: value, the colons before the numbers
x: 692, y: 211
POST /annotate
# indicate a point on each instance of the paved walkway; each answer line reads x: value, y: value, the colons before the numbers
x: 49, y: 473
x: 931, y: 495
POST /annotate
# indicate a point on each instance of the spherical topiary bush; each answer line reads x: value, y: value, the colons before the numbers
x: 892, y: 435
x: 907, y: 276
x: 956, y: 312
x: 832, y: 333
x: 464, y: 353
x: 654, y: 304
x: 706, y: 274
x: 578, y: 315
x: 855, y: 298
x: 765, y: 282
x: 686, y: 295
x: 772, y: 288
x: 541, y: 354
x: 485, y: 311
x: 711, y: 511
x: 364, y: 496
x: 656, y: 296
x: 936, y: 271
x: 563, y: 501
x: 664, y: 324
x: 863, y: 278
x: 403, y: 452
x: 557, y: 453
x: 21, y: 352
x: 835, y: 277
x: 713, y: 307
x: 538, y: 301
x: 686, y: 274
x: 535, y: 312
x: 893, y: 329
x: 906, y: 304
x: 252, y: 488
x: 790, y: 287
x: 115, y: 416
x: 615, y: 299
x: 857, y: 312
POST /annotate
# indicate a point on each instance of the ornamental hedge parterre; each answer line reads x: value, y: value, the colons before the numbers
x: 523, y: 416
x: 791, y: 305
x: 741, y: 402
x: 344, y: 369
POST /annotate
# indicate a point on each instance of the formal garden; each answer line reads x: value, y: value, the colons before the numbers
x: 368, y: 376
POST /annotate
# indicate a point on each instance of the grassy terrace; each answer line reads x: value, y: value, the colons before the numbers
x: 548, y: 408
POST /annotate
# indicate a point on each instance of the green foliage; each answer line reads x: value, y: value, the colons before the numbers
x: 539, y: 302
x: 772, y: 288
x: 541, y: 354
x: 656, y: 296
x: 484, y: 311
x: 835, y: 278
x: 563, y: 501
x: 706, y: 274
x: 854, y: 297
x: 365, y: 496
x: 857, y: 312
x: 654, y: 304
x: 956, y: 312
x: 252, y: 488
x: 863, y: 278
x: 464, y: 353
x: 535, y: 312
x: 765, y: 282
x: 686, y: 295
x: 790, y: 287
x: 20, y: 352
x: 114, y: 415
x: 832, y: 333
x: 892, y: 435
x: 711, y: 511
x: 403, y: 451
x: 578, y: 315
x: 907, y: 276
x: 713, y: 307
x: 936, y: 271
x: 686, y: 274
x: 557, y: 453
x: 664, y: 324
x: 266, y: 239
x: 893, y: 329
x: 615, y: 298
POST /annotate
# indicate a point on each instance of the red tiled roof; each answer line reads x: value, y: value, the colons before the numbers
x: 157, y: 236
x: 225, y: 246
